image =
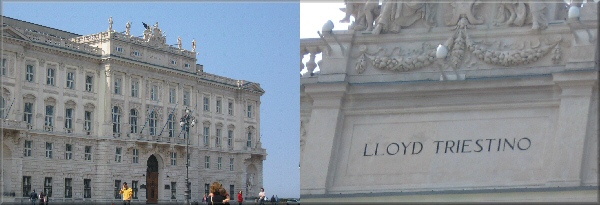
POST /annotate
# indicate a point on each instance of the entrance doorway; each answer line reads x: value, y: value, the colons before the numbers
x: 152, y: 180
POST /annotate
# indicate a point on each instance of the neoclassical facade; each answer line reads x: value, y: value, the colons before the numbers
x: 83, y: 114
x: 460, y: 101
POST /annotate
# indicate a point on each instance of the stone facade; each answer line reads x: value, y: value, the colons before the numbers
x: 97, y: 107
x: 458, y: 101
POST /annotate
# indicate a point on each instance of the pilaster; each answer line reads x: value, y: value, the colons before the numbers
x: 326, y: 118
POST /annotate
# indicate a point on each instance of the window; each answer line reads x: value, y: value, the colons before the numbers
x: 218, y: 139
x: 173, y: 190
x: 2, y: 107
x: 50, y: 76
x: 231, y: 190
x: 136, y: 156
x: 152, y: 123
x: 249, y: 111
x: 133, y: 119
x: 88, y: 122
x: 118, y: 83
x: 230, y: 164
x: 48, y: 186
x: 88, y: 83
x: 88, y: 153
x: 134, y: 187
x: 206, y: 104
x: 70, y: 80
x: 230, y: 108
x: 173, y: 62
x: 30, y: 70
x: 229, y: 137
x: 206, y: 133
x: 186, y: 98
x: 87, y: 188
x: 137, y: 53
x: 68, y: 152
x: 172, y: 95
x: 219, y: 106
x: 118, y: 155
x: 49, y: 120
x: 116, y: 119
x: 26, y: 186
x: 206, y: 189
x: 249, y: 142
x: 3, y: 71
x: 219, y: 159
x: 49, y: 150
x: 171, y: 125
x: 207, y: 162
x: 154, y: 93
x: 68, y: 188
x: 173, y: 158
x: 117, y: 189
x: 187, y: 65
x: 27, y: 150
x: 28, y: 113
x: 135, y: 87
x: 69, y: 120
x: 119, y: 49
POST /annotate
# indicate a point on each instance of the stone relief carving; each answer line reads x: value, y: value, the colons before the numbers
x: 396, y: 14
x: 364, y: 13
x: 460, y: 49
x: 518, y: 13
x: 464, y: 8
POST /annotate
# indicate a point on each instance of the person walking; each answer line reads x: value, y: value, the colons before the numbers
x: 240, y: 198
x: 273, y: 200
x: 204, y: 199
x: 33, y: 197
x: 262, y: 196
x: 276, y: 200
x: 42, y: 198
x: 126, y: 192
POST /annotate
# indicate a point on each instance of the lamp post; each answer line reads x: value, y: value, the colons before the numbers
x: 186, y: 122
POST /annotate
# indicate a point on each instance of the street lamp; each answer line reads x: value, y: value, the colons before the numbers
x: 186, y: 122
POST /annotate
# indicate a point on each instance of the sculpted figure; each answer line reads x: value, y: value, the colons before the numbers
x: 179, y: 42
x: 518, y: 12
x: 397, y: 14
x: 128, y: 28
x: 110, y: 22
x: 194, y: 45
x: 364, y: 12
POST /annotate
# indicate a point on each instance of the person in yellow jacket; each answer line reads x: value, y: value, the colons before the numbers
x: 127, y: 192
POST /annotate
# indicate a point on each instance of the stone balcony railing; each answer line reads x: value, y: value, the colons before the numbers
x: 131, y: 39
x: 13, y: 124
x: 154, y: 138
x: 50, y: 40
x: 312, y: 48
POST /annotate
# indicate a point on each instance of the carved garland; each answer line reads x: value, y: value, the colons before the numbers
x: 457, y: 45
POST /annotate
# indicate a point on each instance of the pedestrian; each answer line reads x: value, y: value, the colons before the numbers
x: 215, y: 196
x: 240, y: 198
x: 276, y: 200
x: 42, y: 198
x: 33, y: 197
x: 126, y: 192
x: 272, y: 199
x: 262, y: 196
x: 204, y: 199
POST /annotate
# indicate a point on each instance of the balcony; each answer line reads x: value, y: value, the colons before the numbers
x: 14, y: 124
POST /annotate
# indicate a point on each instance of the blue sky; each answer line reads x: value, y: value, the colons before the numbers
x: 258, y: 42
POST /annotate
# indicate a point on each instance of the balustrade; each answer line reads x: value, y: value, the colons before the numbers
x: 312, y: 51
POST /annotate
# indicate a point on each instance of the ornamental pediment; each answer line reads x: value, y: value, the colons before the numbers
x: 8, y: 31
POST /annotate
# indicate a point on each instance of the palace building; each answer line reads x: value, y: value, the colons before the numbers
x: 452, y: 101
x: 82, y: 114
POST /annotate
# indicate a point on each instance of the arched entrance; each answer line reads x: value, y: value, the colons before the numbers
x: 152, y: 180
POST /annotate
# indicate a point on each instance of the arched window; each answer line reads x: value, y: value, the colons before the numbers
x: 152, y: 123
x: 133, y: 119
x: 116, y: 118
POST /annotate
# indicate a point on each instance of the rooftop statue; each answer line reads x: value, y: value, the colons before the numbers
x: 397, y: 14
